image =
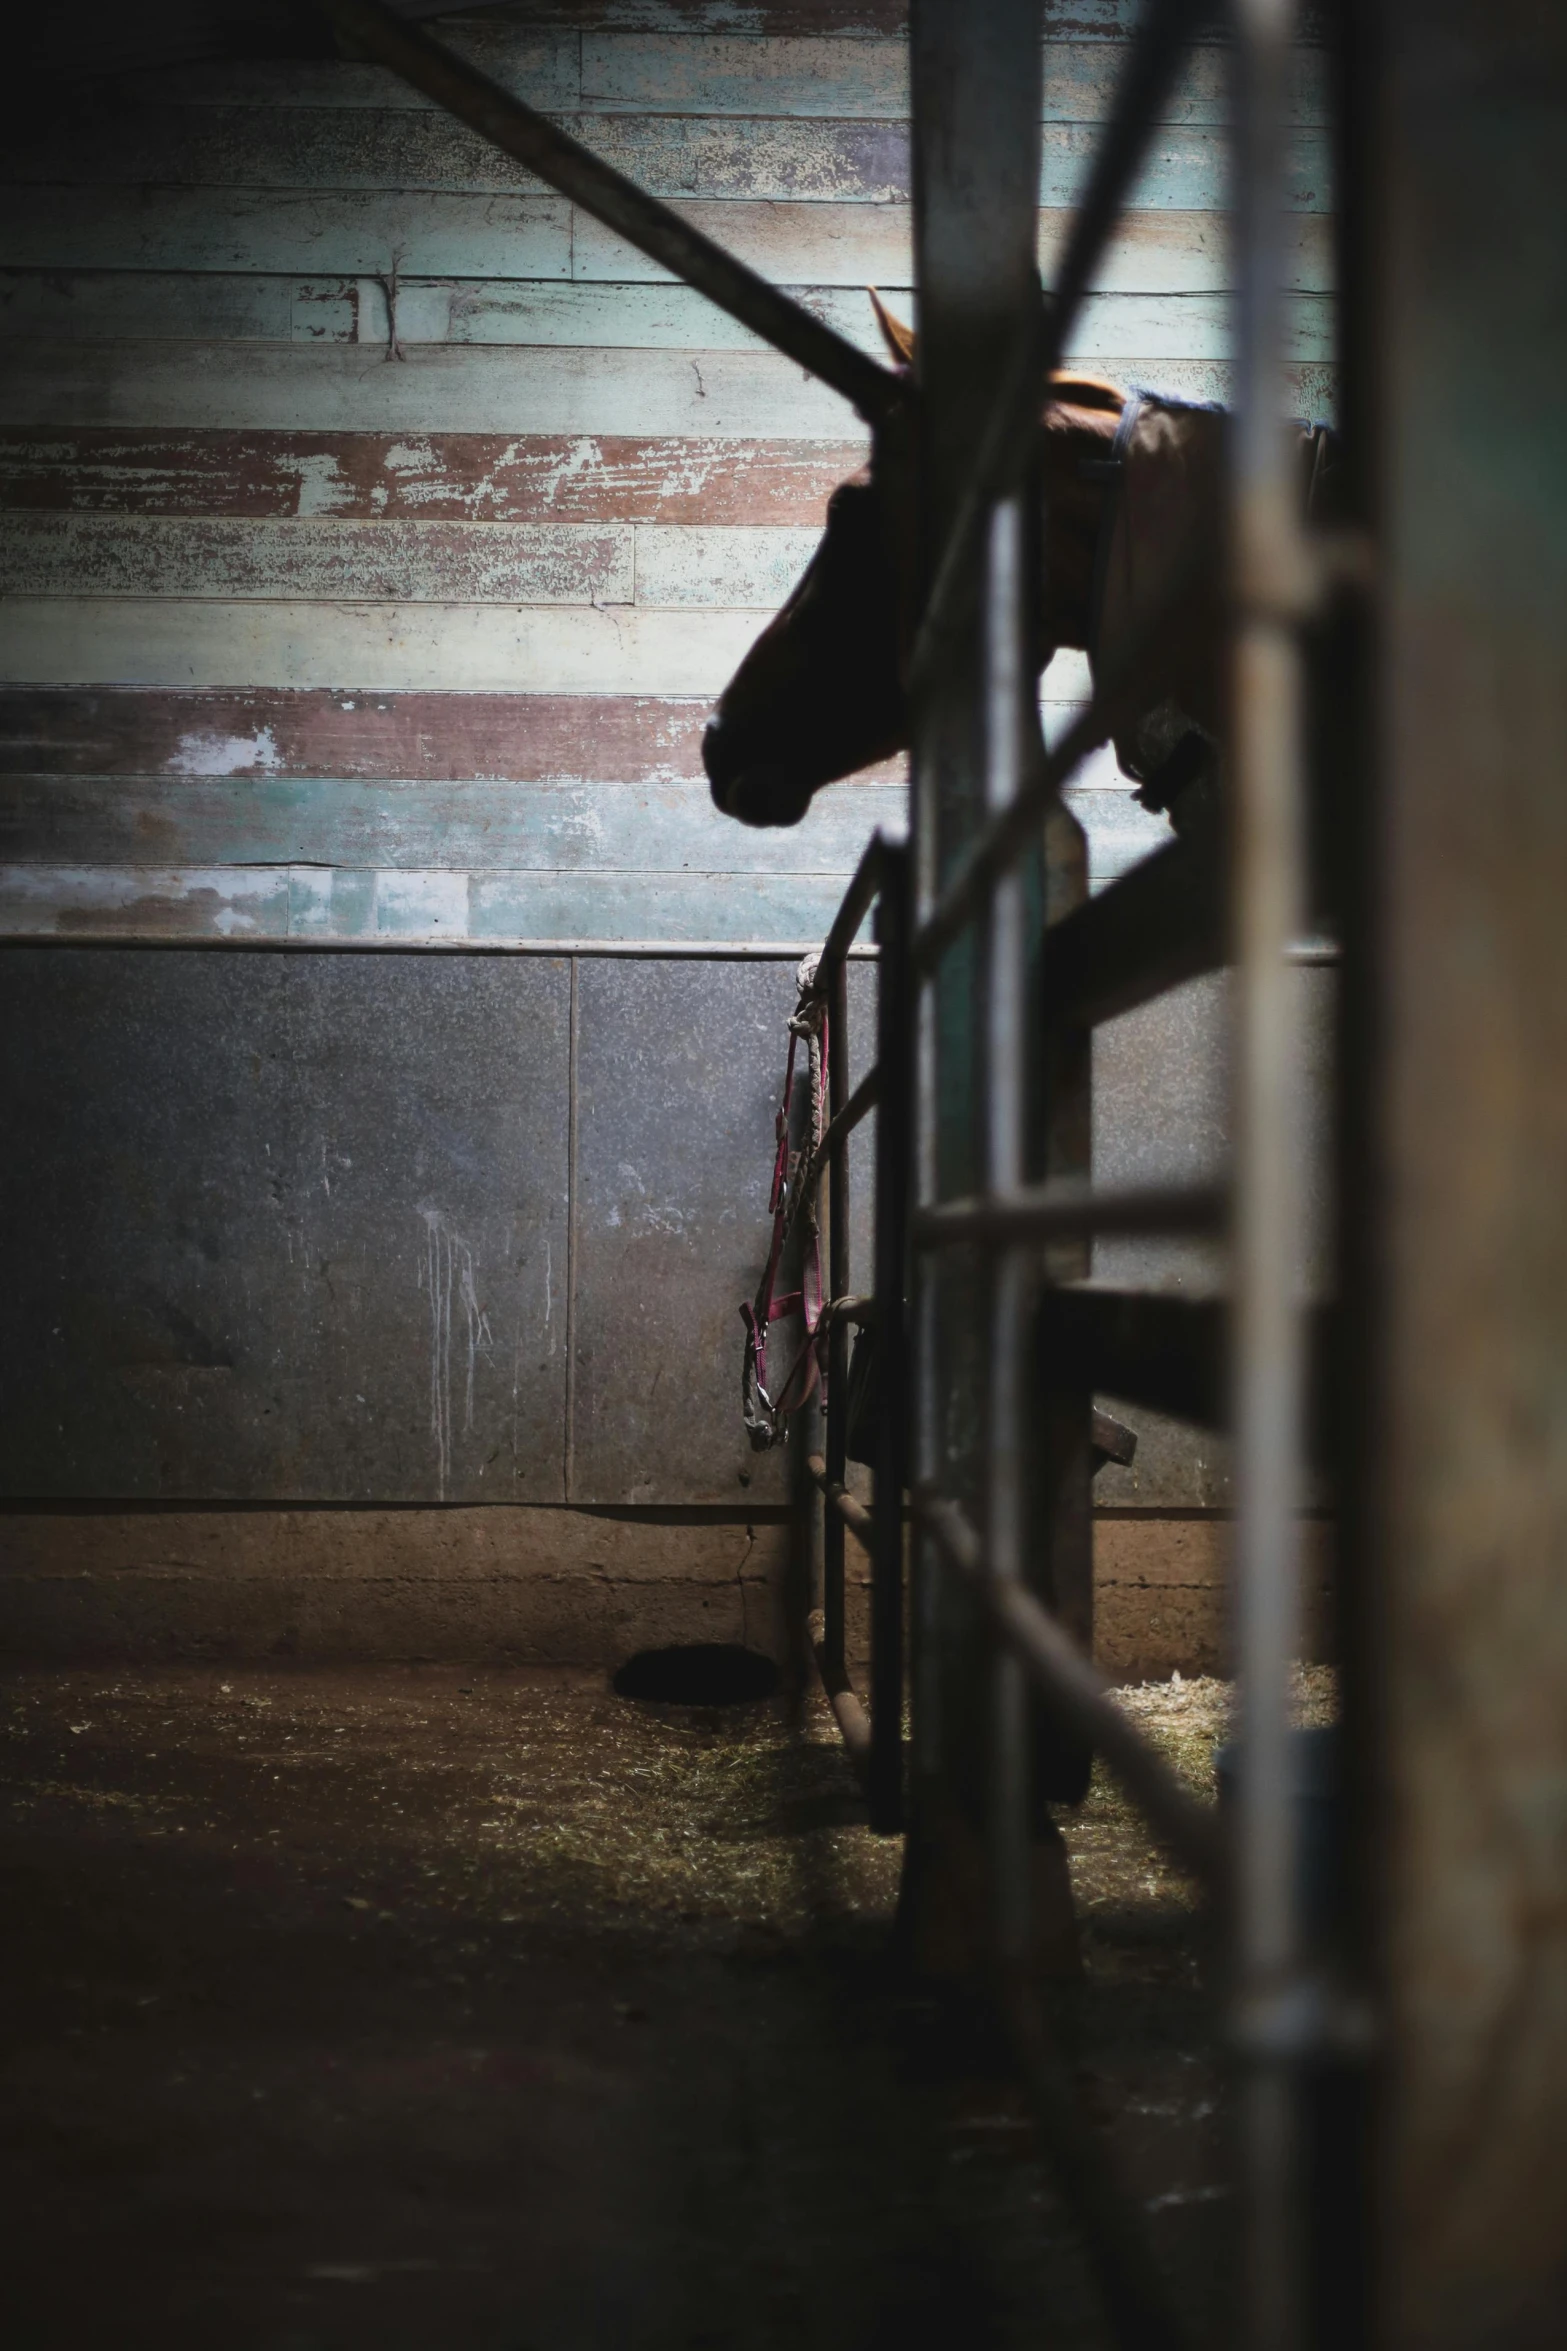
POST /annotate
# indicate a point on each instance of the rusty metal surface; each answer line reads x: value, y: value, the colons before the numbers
x: 282, y: 1227
x: 1465, y: 1173
x: 678, y: 1068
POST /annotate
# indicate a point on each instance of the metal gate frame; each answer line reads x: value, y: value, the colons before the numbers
x: 954, y: 999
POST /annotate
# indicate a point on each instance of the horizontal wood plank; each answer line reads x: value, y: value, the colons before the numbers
x: 466, y: 648
x: 809, y: 74
x: 712, y: 157
x: 329, y: 560
x: 288, y: 733
x: 603, y: 825
x: 450, y: 648
x: 584, y: 826
x: 297, y: 231
x: 238, y: 905
x: 56, y: 386
x: 1166, y: 252
x: 434, y: 234
x: 91, y: 304
x: 745, y: 395
x: 739, y: 73
x: 73, y: 555
x: 437, y: 477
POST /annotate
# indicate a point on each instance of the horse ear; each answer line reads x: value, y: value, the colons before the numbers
x: 898, y: 338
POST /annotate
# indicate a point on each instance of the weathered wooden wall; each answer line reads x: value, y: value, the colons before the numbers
x: 376, y: 531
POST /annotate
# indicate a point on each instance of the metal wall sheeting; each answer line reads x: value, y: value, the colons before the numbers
x: 391, y: 1228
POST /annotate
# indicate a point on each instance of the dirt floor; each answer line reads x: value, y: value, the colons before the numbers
x: 478, y: 2011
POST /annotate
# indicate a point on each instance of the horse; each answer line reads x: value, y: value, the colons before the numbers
x: 1132, y: 488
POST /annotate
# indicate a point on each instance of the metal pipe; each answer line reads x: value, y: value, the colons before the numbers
x: 843, y: 1506
x: 542, y: 147
x: 837, y: 1338
x: 854, y: 1724
x: 1069, y: 1209
x: 835, y: 1134
x: 1079, y: 1694
x: 853, y: 907
x: 1008, y: 714
x: 1270, y: 595
x: 894, y: 1139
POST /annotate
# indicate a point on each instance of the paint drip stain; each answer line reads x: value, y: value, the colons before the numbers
x: 446, y: 1275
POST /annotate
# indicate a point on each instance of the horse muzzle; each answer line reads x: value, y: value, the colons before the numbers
x: 755, y: 792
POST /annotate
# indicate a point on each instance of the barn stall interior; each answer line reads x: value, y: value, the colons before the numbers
x: 456, y: 1888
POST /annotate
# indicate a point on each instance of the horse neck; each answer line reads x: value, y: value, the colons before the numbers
x: 1072, y: 438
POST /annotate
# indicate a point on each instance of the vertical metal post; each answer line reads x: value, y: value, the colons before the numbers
x: 974, y: 79
x: 1008, y: 693
x: 894, y: 1057
x: 1268, y: 561
x: 838, y: 1248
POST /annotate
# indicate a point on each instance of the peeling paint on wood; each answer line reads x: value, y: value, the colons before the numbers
x: 72, y: 555
x: 429, y: 562
x: 439, y: 477
x: 294, y: 732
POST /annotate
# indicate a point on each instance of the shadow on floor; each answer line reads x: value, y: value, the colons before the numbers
x: 445, y: 2011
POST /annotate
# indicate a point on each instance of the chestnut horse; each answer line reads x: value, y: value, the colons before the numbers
x: 1131, y: 482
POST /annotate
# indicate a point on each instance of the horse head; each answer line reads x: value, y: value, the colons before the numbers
x: 821, y: 692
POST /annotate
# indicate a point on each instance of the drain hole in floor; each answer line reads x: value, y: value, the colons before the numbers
x: 706, y: 1673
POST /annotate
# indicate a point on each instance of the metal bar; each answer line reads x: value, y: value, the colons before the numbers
x: 641, y: 219
x: 996, y: 848
x: 1152, y: 928
x: 664, y: 950
x: 837, y: 1335
x: 1155, y: 60
x: 1069, y: 1209
x: 1269, y: 597
x: 1009, y: 717
x: 843, y: 1506
x: 853, y: 907
x: 1080, y: 1696
x: 1156, y: 1349
x: 835, y: 1134
x: 894, y: 1040
x: 853, y: 1722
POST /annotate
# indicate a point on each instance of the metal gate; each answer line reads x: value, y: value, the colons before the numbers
x: 991, y: 1344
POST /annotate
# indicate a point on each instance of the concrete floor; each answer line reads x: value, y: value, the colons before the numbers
x: 461, y: 2010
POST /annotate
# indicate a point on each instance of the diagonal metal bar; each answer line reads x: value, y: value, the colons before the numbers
x: 835, y: 1134
x: 1003, y: 841
x: 1163, y: 921
x: 1080, y: 1696
x: 853, y: 907
x: 654, y: 228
